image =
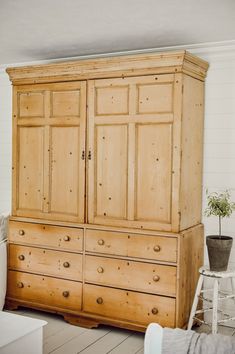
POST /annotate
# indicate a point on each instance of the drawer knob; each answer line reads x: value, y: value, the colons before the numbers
x: 157, y: 248
x: 66, y: 264
x: 66, y: 238
x: 154, y: 311
x: 20, y: 285
x: 101, y: 242
x: 100, y: 270
x: 21, y: 257
x: 99, y: 300
x: 65, y: 293
x: 21, y: 232
x: 156, y: 278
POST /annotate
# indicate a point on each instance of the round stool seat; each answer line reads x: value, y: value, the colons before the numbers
x: 211, y: 302
x: 213, y: 274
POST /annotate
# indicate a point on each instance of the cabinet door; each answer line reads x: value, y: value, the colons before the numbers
x: 133, y: 151
x: 49, y: 152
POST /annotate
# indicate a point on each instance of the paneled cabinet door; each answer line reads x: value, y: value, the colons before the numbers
x: 134, y: 152
x: 49, y: 151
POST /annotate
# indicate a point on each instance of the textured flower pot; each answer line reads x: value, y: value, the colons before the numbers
x: 219, y: 248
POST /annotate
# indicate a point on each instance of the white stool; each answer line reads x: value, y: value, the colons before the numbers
x: 217, y: 296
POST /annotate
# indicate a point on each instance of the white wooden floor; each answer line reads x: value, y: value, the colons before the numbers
x: 63, y: 338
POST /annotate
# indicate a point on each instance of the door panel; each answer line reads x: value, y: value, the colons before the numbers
x: 153, y: 172
x: 155, y: 98
x: 64, y: 170
x: 49, y: 151
x: 31, y: 104
x: 111, y: 171
x: 30, y: 173
x: 112, y: 100
x: 130, y: 139
x: 65, y: 103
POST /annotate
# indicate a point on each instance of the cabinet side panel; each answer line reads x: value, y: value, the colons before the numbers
x: 192, y: 150
x: 190, y: 259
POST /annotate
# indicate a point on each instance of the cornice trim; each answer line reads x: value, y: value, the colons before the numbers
x: 217, y: 50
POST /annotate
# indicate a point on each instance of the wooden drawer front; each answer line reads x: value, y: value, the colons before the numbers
x: 129, y: 305
x: 44, y: 290
x: 38, y: 260
x: 147, y: 277
x: 133, y: 245
x: 64, y: 238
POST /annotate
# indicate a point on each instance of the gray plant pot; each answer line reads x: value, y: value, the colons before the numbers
x: 219, y: 248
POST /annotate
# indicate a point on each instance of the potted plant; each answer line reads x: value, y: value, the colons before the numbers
x: 219, y: 246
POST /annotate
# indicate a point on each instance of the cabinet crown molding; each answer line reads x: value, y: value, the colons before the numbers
x: 126, y: 65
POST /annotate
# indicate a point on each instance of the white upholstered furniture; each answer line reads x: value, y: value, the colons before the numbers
x: 20, y: 335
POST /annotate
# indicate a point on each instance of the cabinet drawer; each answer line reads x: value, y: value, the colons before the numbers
x: 48, y: 262
x: 128, y: 305
x: 132, y: 245
x: 147, y: 277
x: 64, y: 238
x: 44, y: 290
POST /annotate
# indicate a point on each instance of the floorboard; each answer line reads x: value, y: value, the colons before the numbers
x: 112, y: 339
x: 59, y: 337
x: 129, y: 346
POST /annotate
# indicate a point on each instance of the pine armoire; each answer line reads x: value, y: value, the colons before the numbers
x: 107, y: 186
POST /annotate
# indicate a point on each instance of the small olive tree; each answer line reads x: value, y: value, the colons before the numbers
x: 219, y: 204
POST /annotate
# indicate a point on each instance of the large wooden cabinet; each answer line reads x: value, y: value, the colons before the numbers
x: 107, y: 174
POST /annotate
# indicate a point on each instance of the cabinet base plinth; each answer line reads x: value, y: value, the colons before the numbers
x: 81, y: 321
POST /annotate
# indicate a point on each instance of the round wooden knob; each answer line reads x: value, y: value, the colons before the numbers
x: 21, y: 257
x: 100, y: 270
x: 156, y: 278
x: 66, y: 238
x: 154, y: 311
x: 20, y: 284
x: 65, y: 293
x: 99, y: 300
x: 21, y: 232
x: 157, y: 248
x: 66, y: 264
x: 101, y: 242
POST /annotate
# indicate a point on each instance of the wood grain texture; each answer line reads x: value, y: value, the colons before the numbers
x: 158, y: 248
x: 30, y: 170
x: 46, y: 262
x: 152, y: 278
x: 192, y: 152
x: 128, y: 305
x: 130, y: 65
x: 50, y: 141
x: 44, y: 290
x: 134, y: 142
x: 190, y: 259
x: 47, y: 236
x: 117, y: 161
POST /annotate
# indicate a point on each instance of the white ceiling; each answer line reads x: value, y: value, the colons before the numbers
x: 49, y: 29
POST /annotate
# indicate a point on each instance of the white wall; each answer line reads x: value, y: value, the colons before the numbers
x: 5, y: 142
x: 219, y: 137
x: 219, y: 141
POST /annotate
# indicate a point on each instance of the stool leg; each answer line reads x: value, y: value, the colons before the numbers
x: 215, y: 306
x: 195, y: 301
x: 233, y: 286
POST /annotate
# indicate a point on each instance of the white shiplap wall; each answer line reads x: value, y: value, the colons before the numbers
x: 219, y: 140
x: 219, y: 136
x: 5, y: 143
